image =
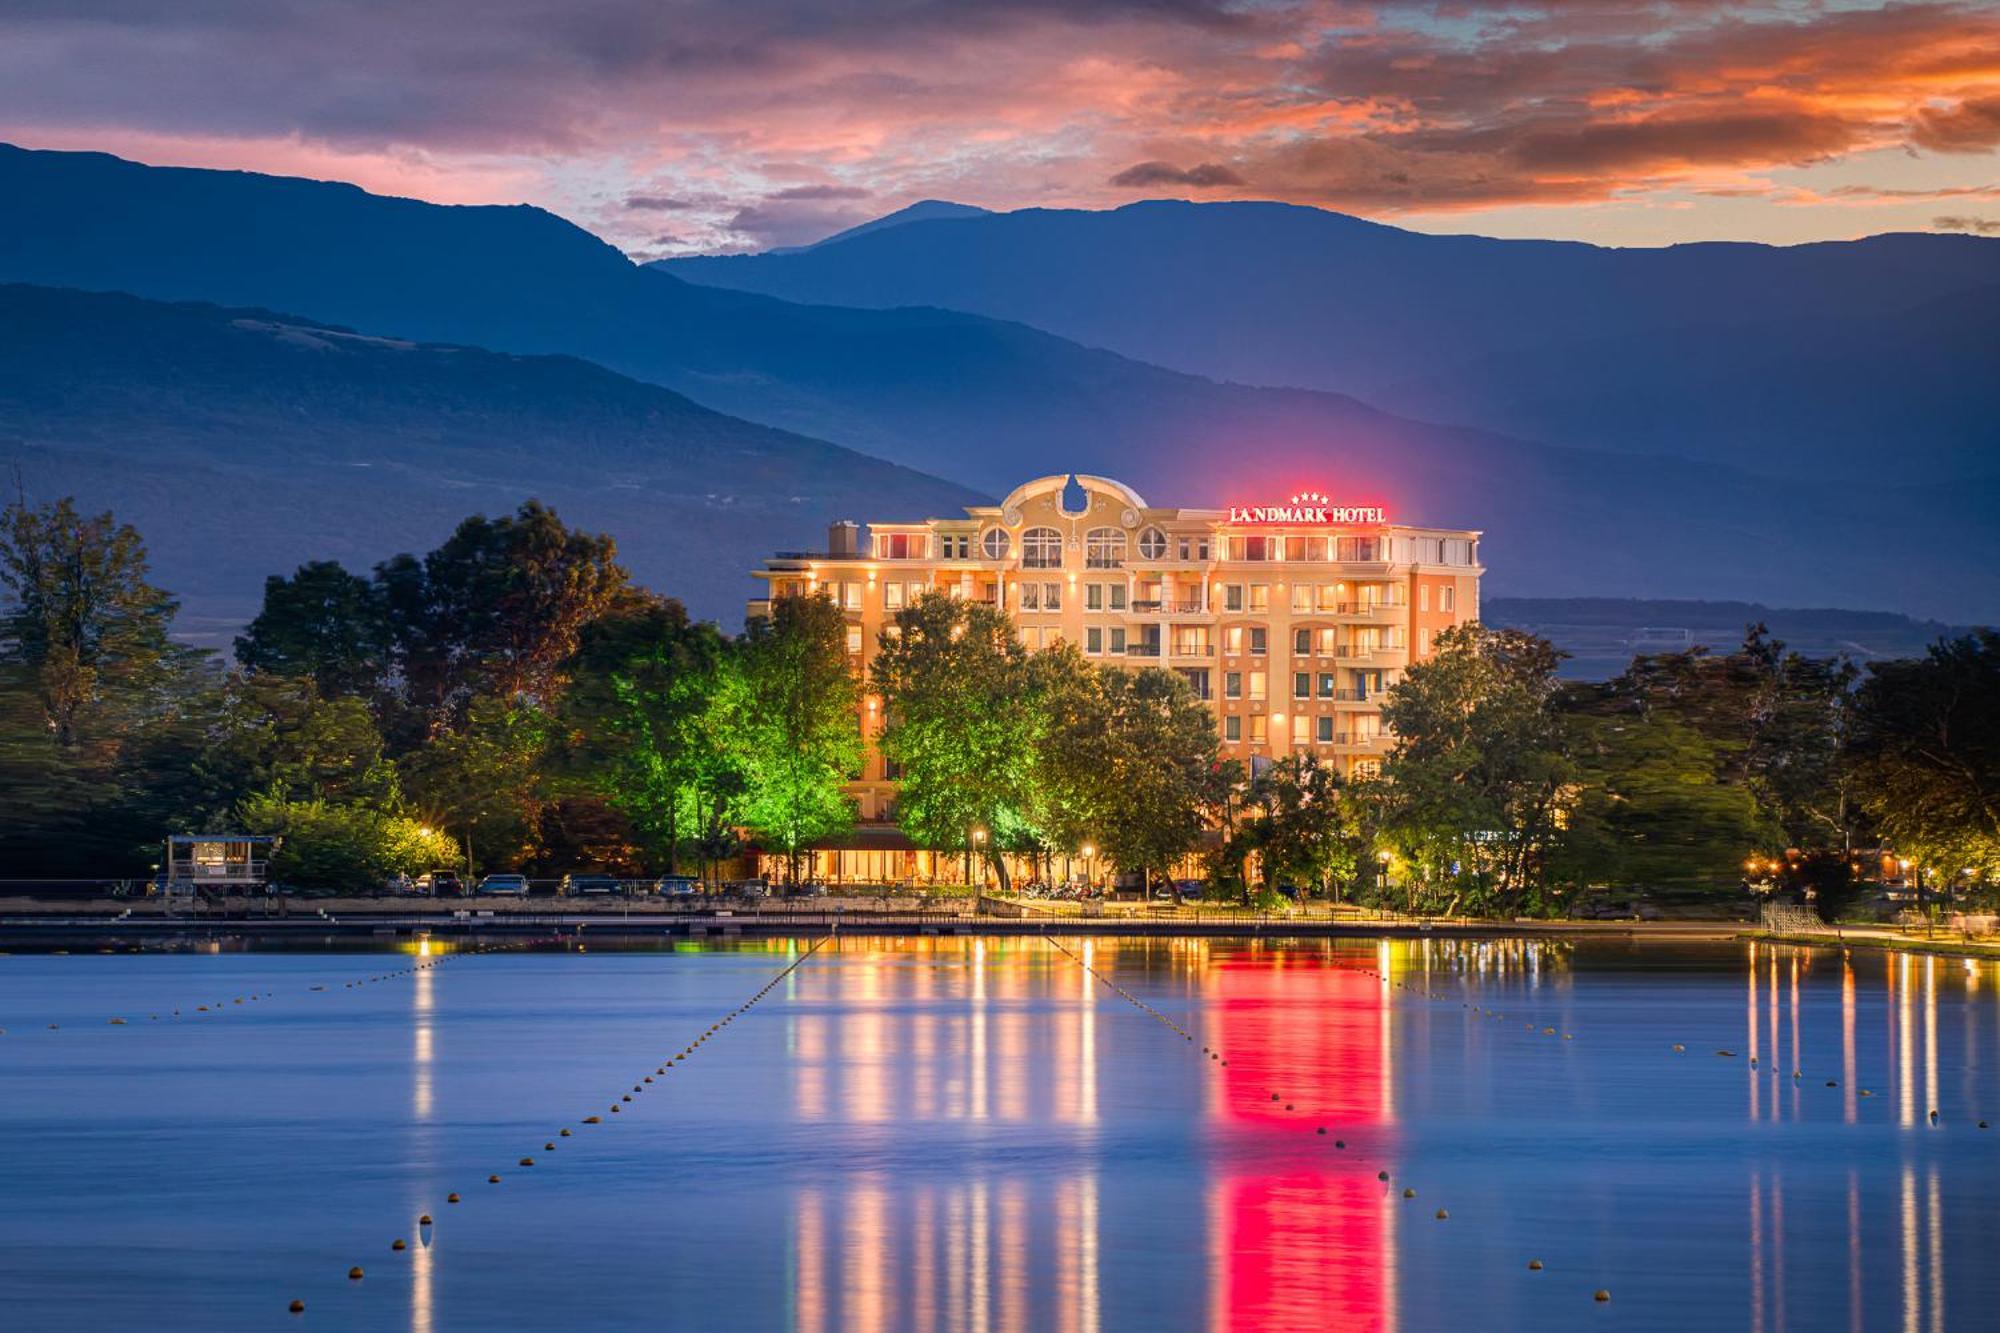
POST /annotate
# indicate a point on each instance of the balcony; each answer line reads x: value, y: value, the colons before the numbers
x: 1142, y: 650
x: 1371, y: 609
x: 1166, y: 607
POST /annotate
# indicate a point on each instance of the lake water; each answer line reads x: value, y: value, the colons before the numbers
x: 979, y: 1135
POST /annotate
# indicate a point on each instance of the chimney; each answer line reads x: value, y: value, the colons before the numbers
x: 843, y: 538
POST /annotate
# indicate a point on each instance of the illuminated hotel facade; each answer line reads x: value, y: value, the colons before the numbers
x: 1290, y: 619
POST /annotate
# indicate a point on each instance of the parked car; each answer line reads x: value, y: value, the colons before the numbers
x: 580, y: 886
x: 441, y: 884
x: 400, y: 884
x: 503, y: 886
x: 811, y: 888
x: 750, y: 890
x: 676, y: 886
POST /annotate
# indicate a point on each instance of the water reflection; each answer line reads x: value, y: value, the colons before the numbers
x: 423, y: 1104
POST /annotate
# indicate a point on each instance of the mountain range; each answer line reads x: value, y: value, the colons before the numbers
x: 241, y: 442
x: 982, y: 401
x: 1868, y: 360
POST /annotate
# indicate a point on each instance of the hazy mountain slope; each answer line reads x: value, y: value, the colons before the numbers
x: 243, y: 442
x: 986, y: 402
x: 1777, y: 359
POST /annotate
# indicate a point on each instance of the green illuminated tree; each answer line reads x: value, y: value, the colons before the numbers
x: 961, y: 726
x: 645, y: 722
x: 794, y: 726
x: 1165, y: 782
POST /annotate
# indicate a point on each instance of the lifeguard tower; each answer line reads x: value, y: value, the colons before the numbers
x: 217, y: 863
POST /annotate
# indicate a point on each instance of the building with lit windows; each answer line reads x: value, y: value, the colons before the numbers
x: 1289, y: 618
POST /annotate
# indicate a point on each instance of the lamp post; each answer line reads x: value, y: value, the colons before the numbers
x: 979, y: 843
x: 1382, y: 869
x: 1089, y: 865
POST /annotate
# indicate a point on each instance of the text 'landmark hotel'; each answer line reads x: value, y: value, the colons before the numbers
x: 1289, y: 619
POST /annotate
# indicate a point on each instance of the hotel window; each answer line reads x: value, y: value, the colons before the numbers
x: 1361, y: 548
x: 1197, y: 681
x: 1445, y: 598
x: 1324, y: 641
x: 1300, y: 725
x: 1301, y: 642
x: 1302, y: 597
x: 1326, y: 679
x: 1041, y: 548
x: 1232, y: 684
x: 1192, y: 548
x: 1298, y: 548
x: 1117, y: 639
x: 1153, y: 544
x: 1192, y: 641
x: 1103, y: 548
x: 1258, y: 681
x: 1302, y: 684
x: 1259, y: 640
x: 1326, y: 730
x: 1256, y: 548
x: 1260, y: 597
x: 892, y: 597
x: 954, y: 547
x: 1117, y: 597
x: 1093, y: 596
x: 854, y: 638
x: 1232, y: 640
x: 1093, y: 640
x: 900, y: 546
x: 1368, y: 768
x: 994, y: 543
x: 1031, y: 597
x: 1052, y: 597
x: 1260, y: 728
x: 1232, y: 597
x: 1329, y: 596
x: 1232, y: 728
x: 848, y: 595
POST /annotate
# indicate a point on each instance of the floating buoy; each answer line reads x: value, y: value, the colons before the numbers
x: 451, y: 1198
x: 1534, y: 1265
x: 118, y: 1022
x: 399, y: 1244
x: 1320, y: 1130
x: 1340, y: 1143
x: 1409, y: 1193
x: 1933, y: 1117
x: 493, y: 1180
x: 1866, y: 1093
x: 614, y: 1110
x: 1831, y: 1084
x: 1727, y: 1054
x: 297, y: 1307
x: 548, y: 1147
x: 1442, y: 1215
x: 1982, y: 1124
x: 354, y: 1273
x: 1274, y: 1096
x: 565, y: 1133
x: 592, y: 1120
x: 1381, y: 1175
x: 425, y: 1220
x: 527, y: 1161
x: 1600, y: 1295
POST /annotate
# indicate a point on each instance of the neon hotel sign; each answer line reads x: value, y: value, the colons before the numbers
x: 1308, y: 507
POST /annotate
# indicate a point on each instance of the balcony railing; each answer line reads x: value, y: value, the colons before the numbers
x: 1142, y: 650
x: 1369, y: 608
x: 1155, y: 606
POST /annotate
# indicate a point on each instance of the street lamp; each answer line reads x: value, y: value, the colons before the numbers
x: 1089, y: 864
x: 978, y: 849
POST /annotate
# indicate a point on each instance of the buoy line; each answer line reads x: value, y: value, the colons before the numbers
x: 426, y: 1223
x: 1220, y: 1059
x: 220, y: 1007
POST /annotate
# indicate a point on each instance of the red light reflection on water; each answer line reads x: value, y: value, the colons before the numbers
x: 1298, y: 1237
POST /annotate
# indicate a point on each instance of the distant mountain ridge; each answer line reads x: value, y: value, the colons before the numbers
x: 1774, y: 359
x: 986, y: 402
x: 242, y: 442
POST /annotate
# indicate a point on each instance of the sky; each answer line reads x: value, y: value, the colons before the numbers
x: 680, y: 126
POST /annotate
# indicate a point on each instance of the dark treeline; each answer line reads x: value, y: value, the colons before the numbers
x: 511, y: 701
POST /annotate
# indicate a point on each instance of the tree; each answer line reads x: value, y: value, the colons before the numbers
x: 1480, y: 770
x: 1073, y: 766
x: 498, y: 610
x: 645, y: 720
x: 1924, y: 755
x: 102, y: 715
x: 795, y: 727
x: 484, y: 781
x: 279, y: 732
x: 1302, y: 824
x: 325, y: 624
x: 1651, y: 810
x: 1164, y: 775
x: 960, y: 725
x: 89, y: 631
x: 344, y: 847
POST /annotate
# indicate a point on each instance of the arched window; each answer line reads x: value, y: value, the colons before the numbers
x: 1041, y: 548
x: 1153, y: 544
x: 1103, y: 548
x: 994, y: 543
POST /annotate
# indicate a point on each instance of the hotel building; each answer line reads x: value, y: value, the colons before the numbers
x: 1289, y: 619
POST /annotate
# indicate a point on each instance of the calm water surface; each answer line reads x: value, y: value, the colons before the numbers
x: 977, y: 1135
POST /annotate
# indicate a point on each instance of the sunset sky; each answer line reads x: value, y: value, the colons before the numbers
x: 669, y: 126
